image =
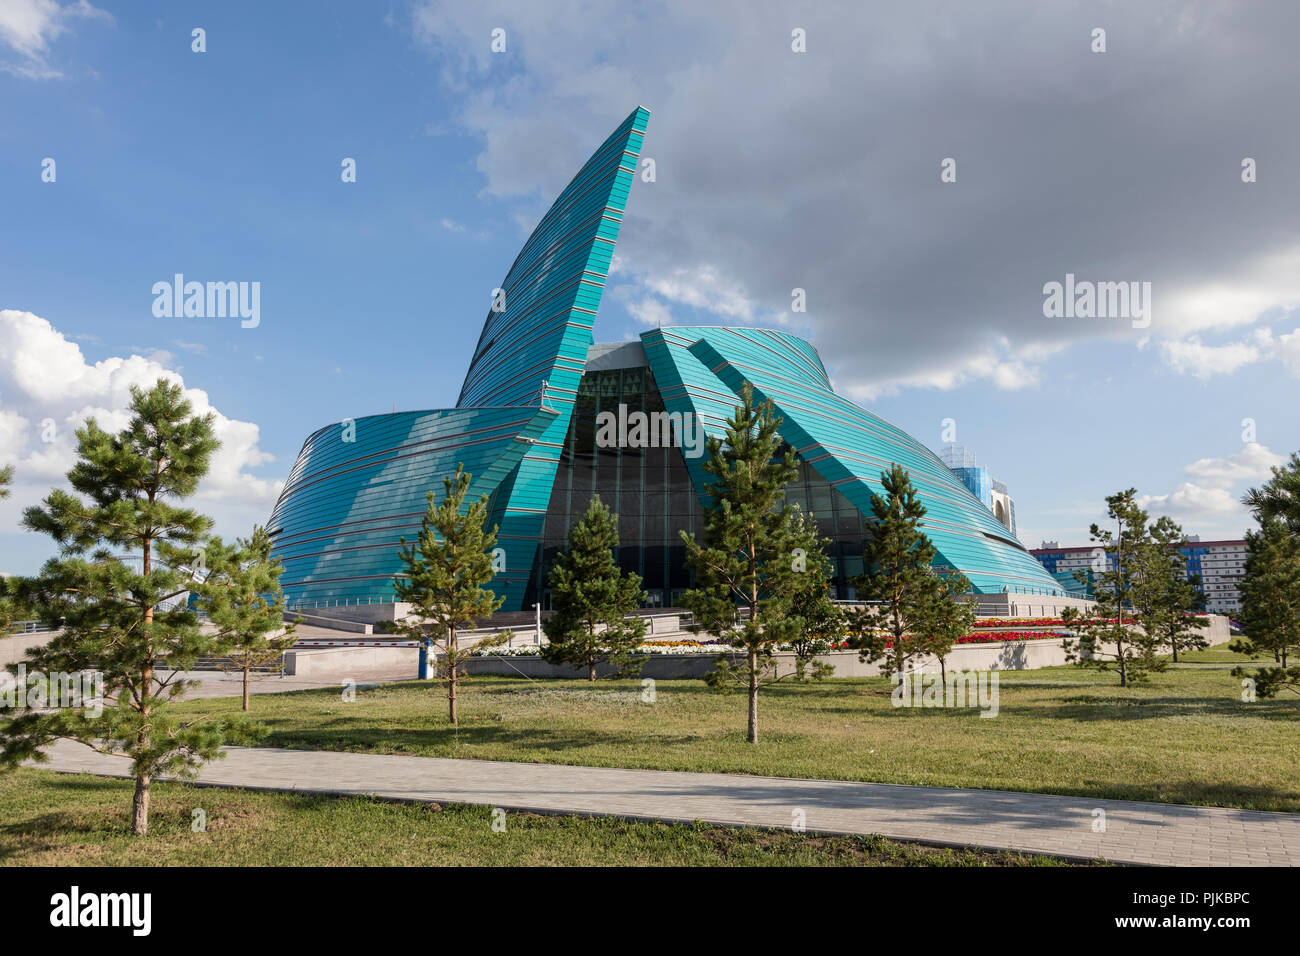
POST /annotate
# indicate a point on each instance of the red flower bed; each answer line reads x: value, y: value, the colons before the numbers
x: 998, y: 636
x: 1035, y: 622
x: 986, y: 638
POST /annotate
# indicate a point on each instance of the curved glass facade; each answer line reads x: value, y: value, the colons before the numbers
x: 526, y: 427
x: 354, y: 492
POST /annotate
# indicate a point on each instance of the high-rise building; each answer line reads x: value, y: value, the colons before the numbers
x: 991, y: 493
x: 1220, y: 566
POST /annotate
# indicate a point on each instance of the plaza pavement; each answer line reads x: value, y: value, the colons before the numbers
x: 1136, y: 833
x: 222, y: 684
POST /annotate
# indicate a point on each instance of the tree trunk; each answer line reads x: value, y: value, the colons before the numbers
x: 245, y: 685
x: 140, y: 800
x: 140, y: 806
x: 591, y: 671
x: 753, y: 696
x: 452, y: 674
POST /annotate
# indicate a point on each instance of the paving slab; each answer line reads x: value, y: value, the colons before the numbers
x: 1135, y: 832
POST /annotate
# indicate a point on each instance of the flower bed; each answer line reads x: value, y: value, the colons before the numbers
x: 994, y: 637
x: 659, y: 648
x: 1035, y: 622
x: 652, y: 647
x: 999, y: 636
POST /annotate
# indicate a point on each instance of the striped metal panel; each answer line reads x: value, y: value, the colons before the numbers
x: 346, y: 505
x: 703, y: 370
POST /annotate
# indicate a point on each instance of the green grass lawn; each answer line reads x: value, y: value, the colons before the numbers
x: 51, y: 819
x: 1219, y: 654
x: 1186, y: 737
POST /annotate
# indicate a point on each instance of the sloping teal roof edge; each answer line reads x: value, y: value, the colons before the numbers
x: 703, y: 370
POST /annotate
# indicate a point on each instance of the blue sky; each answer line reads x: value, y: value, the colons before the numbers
x: 775, y: 170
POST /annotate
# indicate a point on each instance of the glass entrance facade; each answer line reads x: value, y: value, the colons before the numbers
x: 651, y: 491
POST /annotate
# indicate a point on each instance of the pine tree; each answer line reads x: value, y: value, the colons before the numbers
x: 446, y: 570
x: 757, y: 553
x: 818, y: 624
x: 949, y: 618
x: 116, y: 619
x: 1270, y: 590
x: 9, y: 609
x: 591, y: 598
x: 1279, y: 497
x: 1123, y: 632
x: 898, y: 578
x: 1270, y: 615
x: 242, y: 597
x: 1176, y: 599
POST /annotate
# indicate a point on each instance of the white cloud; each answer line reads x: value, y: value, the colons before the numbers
x: 765, y: 182
x: 650, y: 311
x: 1253, y: 463
x: 1287, y: 350
x: 1007, y: 368
x: 1191, y: 356
x: 28, y: 26
x: 703, y: 287
x: 48, y: 389
x: 1269, y: 282
x: 1189, y: 500
x: 1213, y: 495
x: 451, y: 225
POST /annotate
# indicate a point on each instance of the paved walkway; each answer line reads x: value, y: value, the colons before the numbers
x: 223, y: 684
x: 1135, y: 832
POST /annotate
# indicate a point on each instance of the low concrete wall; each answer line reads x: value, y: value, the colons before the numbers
x: 1219, y: 631
x: 1011, y: 655
x: 1007, y: 655
x: 13, y: 650
x: 333, y: 623
x: 1027, y: 605
x: 343, y: 661
x: 359, y: 613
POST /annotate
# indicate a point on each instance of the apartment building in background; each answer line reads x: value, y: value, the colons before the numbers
x: 1220, y: 565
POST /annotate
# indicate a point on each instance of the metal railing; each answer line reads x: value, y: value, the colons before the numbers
x: 29, y: 627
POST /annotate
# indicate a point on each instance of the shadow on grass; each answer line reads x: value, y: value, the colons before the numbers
x: 444, y: 741
x: 1092, y: 709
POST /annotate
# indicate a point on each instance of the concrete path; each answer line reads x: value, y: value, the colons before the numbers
x: 222, y: 684
x: 1149, y: 833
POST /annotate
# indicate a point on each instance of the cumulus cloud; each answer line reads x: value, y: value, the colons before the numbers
x: 1213, y: 493
x: 1205, y: 361
x: 48, y: 390
x: 704, y: 287
x: 651, y: 311
x: 1253, y: 463
x: 1005, y: 367
x: 1287, y: 350
x: 1192, y: 501
x: 28, y: 27
x: 764, y: 182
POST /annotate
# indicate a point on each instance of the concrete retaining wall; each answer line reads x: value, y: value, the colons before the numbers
x: 13, y: 650
x: 1027, y: 605
x: 1012, y: 655
x: 344, y: 661
x: 360, y: 613
x: 333, y: 623
x: 1009, y: 655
